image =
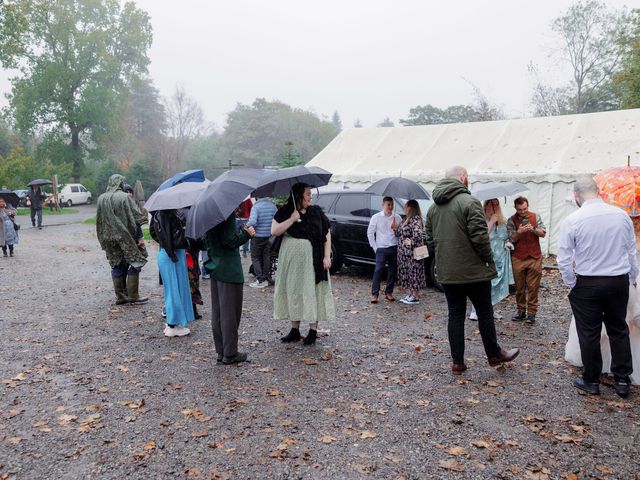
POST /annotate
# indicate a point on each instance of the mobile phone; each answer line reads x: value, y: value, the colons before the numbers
x: 525, y: 221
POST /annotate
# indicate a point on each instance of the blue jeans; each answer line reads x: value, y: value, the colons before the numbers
x: 389, y: 256
x: 37, y: 212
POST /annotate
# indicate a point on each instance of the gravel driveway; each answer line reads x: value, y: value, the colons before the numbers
x: 91, y: 390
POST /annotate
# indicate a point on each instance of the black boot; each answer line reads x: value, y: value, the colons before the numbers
x: 310, y: 339
x: 292, y: 336
x: 196, y: 315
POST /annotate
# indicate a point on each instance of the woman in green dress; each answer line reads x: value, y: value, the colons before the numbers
x: 303, y: 286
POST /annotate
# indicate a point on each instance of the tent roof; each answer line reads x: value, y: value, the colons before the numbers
x: 533, y: 149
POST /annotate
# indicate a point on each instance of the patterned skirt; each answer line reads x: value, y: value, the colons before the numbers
x: 297, y: 296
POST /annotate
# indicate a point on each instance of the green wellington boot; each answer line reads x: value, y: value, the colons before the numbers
x: 132, y: 290
x: 120, y: 287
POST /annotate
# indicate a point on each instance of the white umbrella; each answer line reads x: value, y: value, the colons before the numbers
x: 179, y: 196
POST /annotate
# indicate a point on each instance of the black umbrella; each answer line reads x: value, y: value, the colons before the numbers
x: 279, y: 182
x: 221, y: 198
x: 399, y: 187
x: 39, y: 181
x: 10, y: 197
x: 497, y: 190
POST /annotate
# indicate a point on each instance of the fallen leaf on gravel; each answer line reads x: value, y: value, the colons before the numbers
x: 14, y: 440
x: 89, y: 422
x: 472, y: 400
x: 418, y: 349
x: 42, y: 426
x: 230, y: 450
x: 327, y: 356
x: 193, y: 473
x: 328, y: 411
x: 132, y: 405
x: 200, y: 434
x: 605, y: 469
x: 620, y: 404
x: 456, y: 451
x: 568, y: 439
x: 361, y: 468
x: 327, y: 439
x: 122, y: 368
x: 309, y: 361
x: 393, y: 458
x: 368, y: 434
x: 197, y: 414
x: 537, y: 474
x: 273, y: 393
x: 512, y: 443
x: 150, y: 445
x: 581, y: 429
x: 382, y: 411
x: 266, y: 369
x: 531, y: 418
x: 19, y: 377
x: 66, y: 419
x: 570, y: 476
x: 427, y: 315
x: 423, y: 402
x: 480, y: 443
x: 103, y: 389
x: 451, y: 465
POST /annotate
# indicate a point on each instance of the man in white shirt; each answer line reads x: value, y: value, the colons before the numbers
x: 382, y: 238
x: 597, y: 259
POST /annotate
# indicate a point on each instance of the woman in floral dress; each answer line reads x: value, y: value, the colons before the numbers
x: 410, y: 234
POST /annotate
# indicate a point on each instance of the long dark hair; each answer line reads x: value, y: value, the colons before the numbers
x: 296, y: 195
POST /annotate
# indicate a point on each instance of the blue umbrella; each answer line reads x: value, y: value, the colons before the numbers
x: 196, y: 175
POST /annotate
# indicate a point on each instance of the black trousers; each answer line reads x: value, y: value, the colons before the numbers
x: 598, y: 300
x: 480, y: 295
x: 226, y: 310
x: 389, y: 256
x: 261, y: 257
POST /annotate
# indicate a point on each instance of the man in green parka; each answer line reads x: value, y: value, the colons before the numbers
x: 227, y: 283
x: 457, y: 231
x: 117, y: 219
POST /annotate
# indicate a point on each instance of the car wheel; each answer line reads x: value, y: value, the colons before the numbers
x: 336, y: 259
x: 434, y: 278
x: 89, y: 200
x: 69, y: 203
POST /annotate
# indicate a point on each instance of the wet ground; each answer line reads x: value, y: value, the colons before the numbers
x: 91, y: 390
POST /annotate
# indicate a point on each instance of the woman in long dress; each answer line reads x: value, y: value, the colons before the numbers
x: 303, y: 286
x: 501, y: 249
x: 410, y: 235
x: 572, y: 349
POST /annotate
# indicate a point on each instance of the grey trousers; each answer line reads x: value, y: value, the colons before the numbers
x: 226, y: 310
x: 261, y: 257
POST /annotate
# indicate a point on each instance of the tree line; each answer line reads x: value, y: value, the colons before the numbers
x: 82, y: 104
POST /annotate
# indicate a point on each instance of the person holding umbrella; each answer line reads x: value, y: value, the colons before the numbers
x: 303, y: 287
x: 36, y: 198
x: 410, y: 235
x: 8, y: 230
x: 227, y: 283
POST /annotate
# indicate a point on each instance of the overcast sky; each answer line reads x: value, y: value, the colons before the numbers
x: 366, y: 59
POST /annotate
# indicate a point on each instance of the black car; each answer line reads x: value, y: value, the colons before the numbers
x: 349, y: 212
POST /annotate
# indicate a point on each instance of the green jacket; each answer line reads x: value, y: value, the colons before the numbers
x: 222, y: 243
x: 457, y: 231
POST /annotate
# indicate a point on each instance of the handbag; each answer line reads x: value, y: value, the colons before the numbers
x: 420, y: 253
x: 274, y: 244
x: 16, y: 226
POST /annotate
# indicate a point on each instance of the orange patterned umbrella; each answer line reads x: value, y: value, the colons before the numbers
x: 620, y: 186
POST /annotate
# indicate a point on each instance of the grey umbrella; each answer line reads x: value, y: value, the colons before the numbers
x: 39, y: 181
x: 399, y: 187
x: 221, y: 198
x: 497, y: 190
x: 179, y: 196
x: 279, y: 182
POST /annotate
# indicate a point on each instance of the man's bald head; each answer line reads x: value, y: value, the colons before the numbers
x: 459, y: 173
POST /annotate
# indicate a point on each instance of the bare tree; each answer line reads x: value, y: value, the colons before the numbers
x: 185, y: 122
x: 590, y: 34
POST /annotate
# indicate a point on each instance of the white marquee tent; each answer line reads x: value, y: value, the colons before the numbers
x: 544, y: 153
